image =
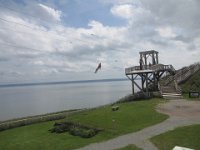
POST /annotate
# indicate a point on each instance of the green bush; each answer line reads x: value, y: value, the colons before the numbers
x: 84, y: 133
x: 75, y: 129
x: 61, y: 127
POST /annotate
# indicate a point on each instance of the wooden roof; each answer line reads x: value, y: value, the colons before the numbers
x: 148, y: 52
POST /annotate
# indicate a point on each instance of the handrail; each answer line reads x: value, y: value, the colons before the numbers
x: 157, y: 67
x: 169, y: 79
x: 177, y: 87
x: 160, y: 88
x: 186, y: 72
x: 136, y: 68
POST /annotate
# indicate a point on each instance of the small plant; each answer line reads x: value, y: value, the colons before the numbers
x: 84, y: 133
x: 75, y: 129
x: 114, y: 108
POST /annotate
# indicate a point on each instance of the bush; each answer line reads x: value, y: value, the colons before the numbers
x: 75, y: 129
x: 84, y: 133
x: 137, y: 96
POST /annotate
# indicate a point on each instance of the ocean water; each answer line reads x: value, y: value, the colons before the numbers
x: 22, y: 101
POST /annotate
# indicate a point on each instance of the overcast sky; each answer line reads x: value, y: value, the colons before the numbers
x: 61, y: 40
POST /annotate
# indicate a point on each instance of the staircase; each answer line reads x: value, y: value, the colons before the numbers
x: 185, y: 73
x: 169, y: 87
x: 170, y: 91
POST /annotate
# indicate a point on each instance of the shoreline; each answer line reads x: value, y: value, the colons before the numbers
x: 66, y: 112
x: 42, y: 115
x: 24, y: 121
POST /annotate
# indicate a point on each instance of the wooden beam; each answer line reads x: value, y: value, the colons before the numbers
x: 157, y: 58
x: 128, y: 77
x: 133, y: 85
x: 147, y: 87
x: 137, y: 85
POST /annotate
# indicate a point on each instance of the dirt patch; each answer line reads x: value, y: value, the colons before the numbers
x: 181, y: 108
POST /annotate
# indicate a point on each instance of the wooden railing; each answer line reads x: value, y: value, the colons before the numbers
x: 158, y: 67
x: 186, y: 73
x: 180, y: 76
x: 160, y: 88
x: 177, y: 87
x: 168, y: 80
x: 136, y: 68
x: 162, y: 67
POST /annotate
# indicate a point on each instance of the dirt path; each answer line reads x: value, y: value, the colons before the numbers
x: 181, y: 113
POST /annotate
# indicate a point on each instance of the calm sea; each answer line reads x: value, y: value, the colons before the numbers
x: 27, y: 100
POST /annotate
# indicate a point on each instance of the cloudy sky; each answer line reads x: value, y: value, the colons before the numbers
x: 61, y: 40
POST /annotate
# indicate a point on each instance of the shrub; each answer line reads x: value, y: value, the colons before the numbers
x: 84, y: 133
x: 75, y: 129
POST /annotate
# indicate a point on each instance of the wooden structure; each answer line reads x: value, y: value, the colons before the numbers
x: 149, y: 72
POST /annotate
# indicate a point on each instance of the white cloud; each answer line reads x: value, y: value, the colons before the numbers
x: 136, y: 15
x: 124, y: 11
x: 120, y: 2
x: 63, y: 53
x: 166, y: 32
x: 56, y: 14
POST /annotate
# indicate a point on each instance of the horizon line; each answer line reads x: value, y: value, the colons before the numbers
x: 61, y: 82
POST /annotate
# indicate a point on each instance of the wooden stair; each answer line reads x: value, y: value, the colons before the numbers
x: 170, y: 89
x: 170, y: 92
x: 185, y: 73
x: 172, y: 96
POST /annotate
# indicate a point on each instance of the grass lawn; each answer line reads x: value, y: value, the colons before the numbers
x: 130, y: 117
x: 130, y: 147
x: 186, y: 96
x: 183, y: 136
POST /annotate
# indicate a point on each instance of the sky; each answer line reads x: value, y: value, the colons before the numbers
x: 65, y: 40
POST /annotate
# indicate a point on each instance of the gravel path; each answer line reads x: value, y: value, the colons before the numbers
x: 181, y: 113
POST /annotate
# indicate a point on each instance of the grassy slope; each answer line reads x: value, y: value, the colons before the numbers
x: 187, y: 85
x: 184, y: 136
x: 130, y: 118
x: 189, y: 82
x: 186, y: 96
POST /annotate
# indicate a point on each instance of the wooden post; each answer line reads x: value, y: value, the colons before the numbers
x: 157, y: 57
x: 142, y: 80
x: 154, y: 80
x: 153, y: 59
x: 132, y: 79
x: 146, y: 78
x: 145, y: 57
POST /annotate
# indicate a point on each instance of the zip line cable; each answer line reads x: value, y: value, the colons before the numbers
x: 16, y: 31
x: 42, y: 30
x: 26, y: 14
x: 58, y: 36
x: 19, y: 46
x: 2, y: 19
x: 20, y: 12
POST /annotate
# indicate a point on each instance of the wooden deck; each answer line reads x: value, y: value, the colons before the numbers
x: 149, y: 69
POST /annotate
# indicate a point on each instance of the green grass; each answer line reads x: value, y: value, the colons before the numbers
x: 130, y: 147
x: 183, y: 136
x: 130, y: 117
x: 192, y: 83
x: 186, y: 96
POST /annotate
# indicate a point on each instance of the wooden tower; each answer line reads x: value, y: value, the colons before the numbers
x: 148, y: 72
